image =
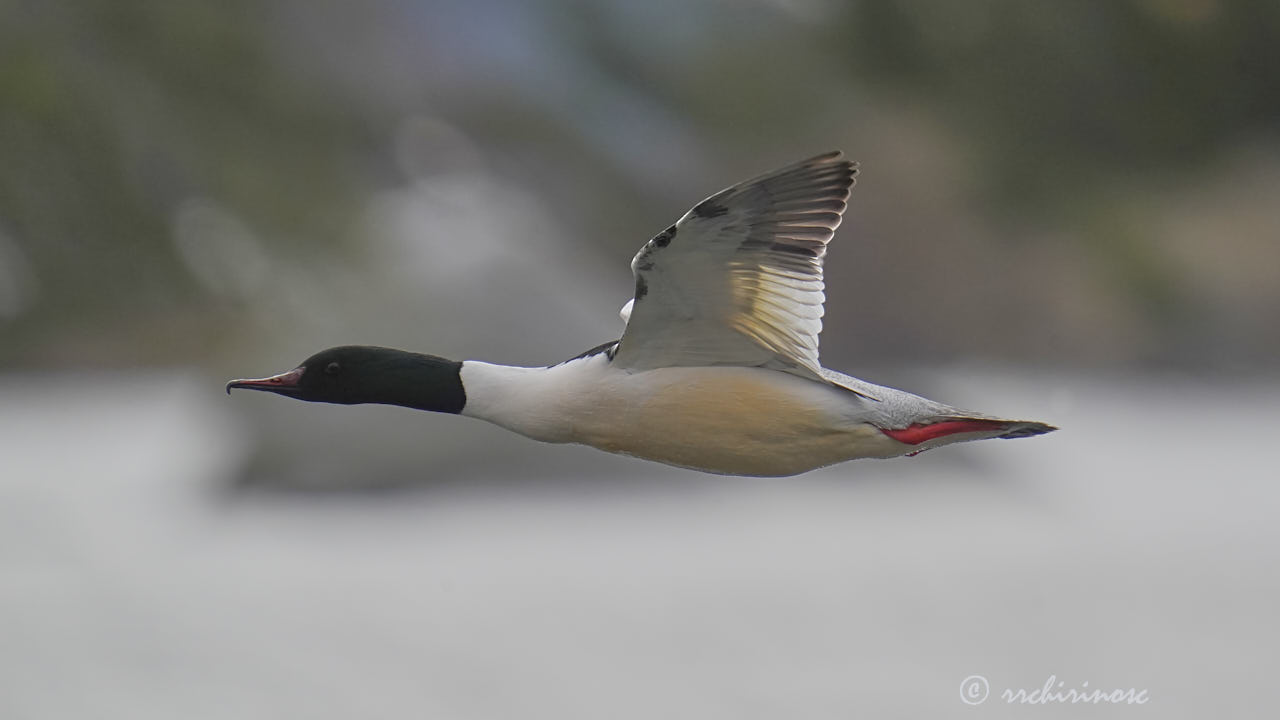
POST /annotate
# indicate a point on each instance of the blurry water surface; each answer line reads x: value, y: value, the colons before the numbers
x: 146, y: 577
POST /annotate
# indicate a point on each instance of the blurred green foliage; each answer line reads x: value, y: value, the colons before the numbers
x: 1063, y: 101
x: 113, y: 114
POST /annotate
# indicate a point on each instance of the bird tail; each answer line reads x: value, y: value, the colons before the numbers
x: 918, y: 433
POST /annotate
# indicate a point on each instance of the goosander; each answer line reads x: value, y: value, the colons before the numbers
x: 717, y: 369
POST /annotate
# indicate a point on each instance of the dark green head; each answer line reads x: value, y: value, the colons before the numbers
x: 354, y: 374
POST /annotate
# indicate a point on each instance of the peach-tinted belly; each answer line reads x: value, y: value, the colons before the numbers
x: 737, y: 421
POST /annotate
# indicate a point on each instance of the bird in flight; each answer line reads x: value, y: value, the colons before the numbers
x: 717, y: 369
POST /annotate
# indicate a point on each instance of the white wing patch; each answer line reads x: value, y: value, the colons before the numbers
x: 738, y: 280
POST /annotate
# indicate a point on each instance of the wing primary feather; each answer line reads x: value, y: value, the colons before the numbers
x: 738, y: 279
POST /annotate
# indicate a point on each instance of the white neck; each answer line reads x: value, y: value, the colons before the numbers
x: 538, y: 402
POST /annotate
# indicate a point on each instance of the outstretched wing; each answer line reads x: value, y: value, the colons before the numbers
x: 738, y: 280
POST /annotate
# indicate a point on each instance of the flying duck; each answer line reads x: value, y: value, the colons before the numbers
x: 717, y: 369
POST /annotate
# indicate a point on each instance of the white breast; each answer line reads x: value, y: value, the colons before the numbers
x: 733, y: 420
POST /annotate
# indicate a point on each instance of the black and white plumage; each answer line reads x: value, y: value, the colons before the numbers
x: 718, y: 367
x: 738, y: 279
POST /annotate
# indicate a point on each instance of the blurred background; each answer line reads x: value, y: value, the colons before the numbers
x: 1065, y: 212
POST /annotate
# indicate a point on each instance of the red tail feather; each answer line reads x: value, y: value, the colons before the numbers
x: 917, y: 433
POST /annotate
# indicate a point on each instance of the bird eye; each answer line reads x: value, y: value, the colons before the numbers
x: 332, y: 368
